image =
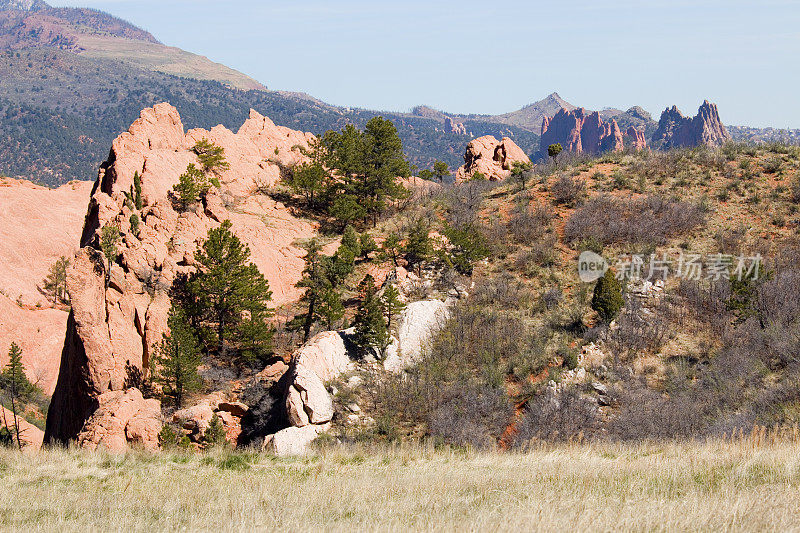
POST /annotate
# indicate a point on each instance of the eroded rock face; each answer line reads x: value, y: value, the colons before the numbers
x: 579, y: 131
x: 122, y: 419
x: 451, y: 126
x: 113, y: 330
x: 636, y: 139
x: 490, y: 157
x: 676, y: 131
x: 417, y: 323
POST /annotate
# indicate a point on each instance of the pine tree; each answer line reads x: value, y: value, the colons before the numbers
x: 391, y: 303
x: 367, y: 244
x: 607, y: 299
x: 391, y: 250
x: 309, y: 179
x: 192, y: 185
x: 16, y: 384
x: 321, y: 279
x: 419, y: 246
x: 467, y: 246
x: 230, y: 292
x: 56, y: 281
x: 211, y: 156
x: 371, y: 330
x: 440, y: 171
x: 138, y: 202
x: 109, y: 240
x: 351, y: 241
x: 368, y: 164
x: 174, y: 366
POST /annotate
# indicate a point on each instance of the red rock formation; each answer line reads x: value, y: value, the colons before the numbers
x: 676, y: 131
x: 37, y: 226
x: 637, y: 140
x: 451, y: 126
x: 114, y: 329
x: 490, y: 157
x: 578, y: 132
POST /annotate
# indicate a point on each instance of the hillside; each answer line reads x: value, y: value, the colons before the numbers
x: 72, y: 79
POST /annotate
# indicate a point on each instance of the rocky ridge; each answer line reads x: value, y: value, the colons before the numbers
x: 579, y: 131
x: 677, y: 131
x: 112, y: 330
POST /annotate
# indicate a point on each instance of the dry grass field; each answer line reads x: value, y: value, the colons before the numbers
x: 716, y: 485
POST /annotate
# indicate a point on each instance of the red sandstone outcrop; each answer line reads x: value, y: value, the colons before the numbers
x: 636, y: 139
x: 37, y: 226
x: 490, y: 157
x: 122, y: 419
x: 451, y: 126
x: 113, y: 330
x: 676, y: 131
x: 578, y: 131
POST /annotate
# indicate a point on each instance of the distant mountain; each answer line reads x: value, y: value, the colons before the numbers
x: 72, y: 79
x: 531, y: 116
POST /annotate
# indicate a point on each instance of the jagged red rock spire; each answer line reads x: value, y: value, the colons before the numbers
x: 677, y: 131
x: 579, y: 131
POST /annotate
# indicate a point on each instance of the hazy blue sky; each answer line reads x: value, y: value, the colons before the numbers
x: 492, y: 57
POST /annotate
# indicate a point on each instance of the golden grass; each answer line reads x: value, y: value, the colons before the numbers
x: 710, y: 486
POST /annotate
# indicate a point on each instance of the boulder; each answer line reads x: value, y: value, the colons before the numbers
x: 325, y: 354
x: 237, y: 409
x: 417, y: 322
x: 490, y: 157
x: 307, y: 400
x: 293, y: 441
x: 121, y: 420
x: 195, y: 419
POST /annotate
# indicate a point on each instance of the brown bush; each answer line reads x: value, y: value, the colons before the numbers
x: 652, y: 219
x: 568, y: 191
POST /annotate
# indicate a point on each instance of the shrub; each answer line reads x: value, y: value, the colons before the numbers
x: 652, y: 219
x: 558, y: 417
x: 528, y: 225
x: 607, y: 299
x: 471, y: 415
x: 568, y: 191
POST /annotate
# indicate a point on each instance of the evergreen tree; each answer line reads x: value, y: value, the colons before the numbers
x: 174, y: 366
x: 368, y: 164
x: 554, y: 149
x: 391, y: 303
x: 467, y: 246
x: 230, y: 292
x: 441, y: 171
x: 310, y: 179
x: 368, y: 245
x: 211, y: 156
x: 109, y: 240
x: 391, y: 249
x: 521, y: 172
x: 322, y: 277
x: 607, y: 299
x: 351, y: 241
x: 56, y: 281
x: 419, y: 246
x: 16, y: 384
x: 371, y: 331
x: 192, y: 186
x: 138, y: 202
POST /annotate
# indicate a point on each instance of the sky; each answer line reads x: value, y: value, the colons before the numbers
x: 494, y: 57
